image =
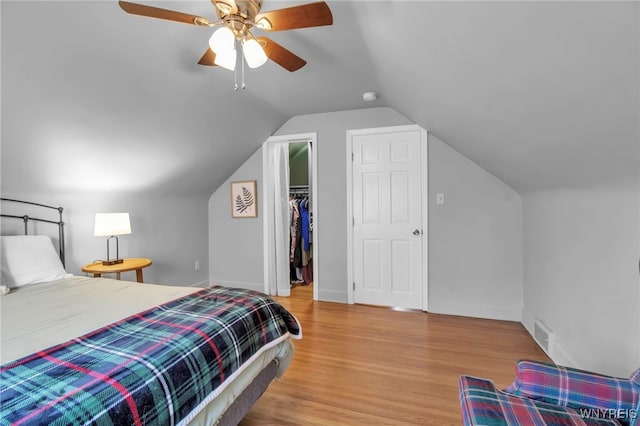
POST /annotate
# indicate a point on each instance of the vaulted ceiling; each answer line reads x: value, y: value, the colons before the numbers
x: 541, y: 94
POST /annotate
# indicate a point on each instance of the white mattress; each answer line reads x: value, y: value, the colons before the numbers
x: 39, y: 316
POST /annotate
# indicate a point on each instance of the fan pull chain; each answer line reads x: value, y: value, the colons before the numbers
x: 235, y: 78
x: 242, y: 54
x: 235, y: 70
x: 235, y: 73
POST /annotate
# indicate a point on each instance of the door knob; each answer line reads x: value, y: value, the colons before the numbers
x: 416, y: 232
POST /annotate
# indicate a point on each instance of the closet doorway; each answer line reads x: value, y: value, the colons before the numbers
x: 300, y: 219
x: 290, y: 209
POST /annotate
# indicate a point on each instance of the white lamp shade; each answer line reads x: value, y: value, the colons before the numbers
x: 253, y: 53
x: 226, y: 59
x: 222, y: 41
x: 108, y: 224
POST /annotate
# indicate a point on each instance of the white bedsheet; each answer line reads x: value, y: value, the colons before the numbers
x: 38, y: 316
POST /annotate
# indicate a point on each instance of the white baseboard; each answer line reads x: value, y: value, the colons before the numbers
x: 201, y: 284
x: 527, y: 321
x: 332, y: 296
x: 475, y: 311
x: 249, y: 286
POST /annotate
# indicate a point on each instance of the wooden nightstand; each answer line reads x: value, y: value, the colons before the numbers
x: 132, y: 264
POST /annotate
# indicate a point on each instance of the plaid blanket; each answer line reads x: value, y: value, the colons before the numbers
x: 152, y: 368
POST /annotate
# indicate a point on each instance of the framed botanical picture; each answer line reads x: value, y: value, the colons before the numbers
x: 244, y: 200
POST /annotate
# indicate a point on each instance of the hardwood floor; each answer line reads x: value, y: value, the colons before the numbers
x: 365, y: 365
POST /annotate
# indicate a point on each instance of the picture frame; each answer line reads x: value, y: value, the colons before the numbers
x: 244, y: 199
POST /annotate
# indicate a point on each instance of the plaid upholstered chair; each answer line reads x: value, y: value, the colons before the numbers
x: 547, y: 394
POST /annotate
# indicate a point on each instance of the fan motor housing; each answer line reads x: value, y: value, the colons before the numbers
x: 242, y: 18
x: 246, y: 9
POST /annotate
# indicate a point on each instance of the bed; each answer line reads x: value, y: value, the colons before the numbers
x: 80, y: 350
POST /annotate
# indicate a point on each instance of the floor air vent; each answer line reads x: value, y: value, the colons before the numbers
x: 543, y: 335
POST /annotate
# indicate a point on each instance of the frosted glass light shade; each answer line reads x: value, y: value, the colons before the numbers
x: 108, y: 224
x: 222, y: 41
x: 253, y: 53
x: 226, y: 59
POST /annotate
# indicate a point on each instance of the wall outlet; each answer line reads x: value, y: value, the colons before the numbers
x: 196, y: 265
x: 440, y: 198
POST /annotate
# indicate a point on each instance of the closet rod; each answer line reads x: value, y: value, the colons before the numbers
x: 299, y: 189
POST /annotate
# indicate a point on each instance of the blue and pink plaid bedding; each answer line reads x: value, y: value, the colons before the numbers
x: 152, y: 368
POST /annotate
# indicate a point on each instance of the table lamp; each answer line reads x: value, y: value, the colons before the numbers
x: 112, y: 224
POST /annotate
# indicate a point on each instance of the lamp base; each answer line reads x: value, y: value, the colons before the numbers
x: 112, y: 262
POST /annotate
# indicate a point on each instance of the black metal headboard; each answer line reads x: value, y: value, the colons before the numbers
x: 27, y: 218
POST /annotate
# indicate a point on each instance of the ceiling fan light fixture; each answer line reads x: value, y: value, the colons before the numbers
x: 236, y: 18
x: 253, y: 53
x: 222, y: 41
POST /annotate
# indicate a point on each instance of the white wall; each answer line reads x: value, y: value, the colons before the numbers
x: 165, y: 228
x: 581, y: 275
x: 236, y: 245
x: 475, y: 239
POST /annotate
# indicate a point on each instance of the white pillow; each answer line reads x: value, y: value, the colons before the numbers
x: 28, y: 259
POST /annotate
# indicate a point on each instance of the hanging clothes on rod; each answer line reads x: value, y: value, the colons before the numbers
x: 300, y: 255
x: 307, y: 269
x: 295, y: 255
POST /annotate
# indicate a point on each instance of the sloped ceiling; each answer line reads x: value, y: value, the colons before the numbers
x: 541, y: 94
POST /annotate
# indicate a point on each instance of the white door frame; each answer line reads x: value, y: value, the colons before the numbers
x: 425, y: 205
x: 268, y: 224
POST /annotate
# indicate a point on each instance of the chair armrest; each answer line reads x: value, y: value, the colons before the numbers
x: 483, y: 404
x: 571, y: 387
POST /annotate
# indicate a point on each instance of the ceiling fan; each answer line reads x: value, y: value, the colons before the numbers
x: 236, y: 19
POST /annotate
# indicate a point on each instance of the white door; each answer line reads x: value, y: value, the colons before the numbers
x: 387, y: 219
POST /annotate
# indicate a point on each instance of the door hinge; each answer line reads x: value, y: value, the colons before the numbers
x: 354, y: 285
x: 352, y: 156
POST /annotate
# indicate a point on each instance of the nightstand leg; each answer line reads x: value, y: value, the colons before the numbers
x: 117, y: 275
x: 139, y: 275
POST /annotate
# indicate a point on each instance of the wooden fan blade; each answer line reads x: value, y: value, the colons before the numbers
x: 208, y: 58
x: 303, y: 16
x: 281, y: 56
x: 156, y: 12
